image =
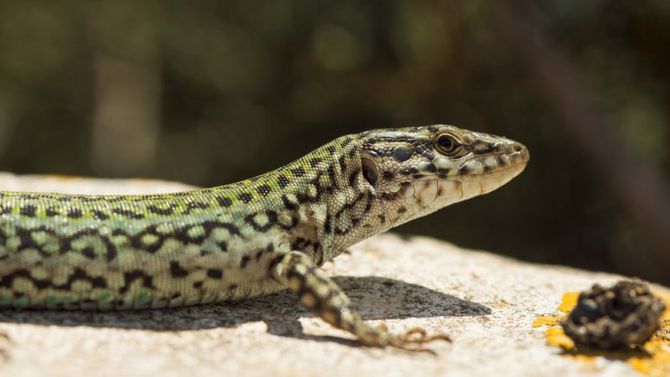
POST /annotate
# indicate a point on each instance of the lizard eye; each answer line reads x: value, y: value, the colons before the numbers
x: 447, y: 144
x: 370, y: 171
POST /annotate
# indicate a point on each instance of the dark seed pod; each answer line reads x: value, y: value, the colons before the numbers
x: 622, y: 316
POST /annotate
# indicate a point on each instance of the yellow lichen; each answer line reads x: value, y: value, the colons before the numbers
x: 653, y: 359
x: 556, y: 337
x: 568, y: 301
x: 545, y: 320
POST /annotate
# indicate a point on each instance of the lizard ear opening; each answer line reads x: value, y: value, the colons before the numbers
x: 370, y: 171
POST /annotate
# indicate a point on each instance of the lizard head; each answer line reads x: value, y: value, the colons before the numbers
x: 418, y: 170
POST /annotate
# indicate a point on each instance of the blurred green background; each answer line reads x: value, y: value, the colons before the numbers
x: 209, y: 92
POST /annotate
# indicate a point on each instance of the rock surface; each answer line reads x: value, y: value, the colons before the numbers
x: 487, y: 304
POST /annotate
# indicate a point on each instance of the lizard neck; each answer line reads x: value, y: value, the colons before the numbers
x: 320, y: 203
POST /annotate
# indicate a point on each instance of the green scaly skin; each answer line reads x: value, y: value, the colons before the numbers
x: 250, y: 238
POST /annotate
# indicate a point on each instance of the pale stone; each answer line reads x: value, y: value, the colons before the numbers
x: 486, y: 302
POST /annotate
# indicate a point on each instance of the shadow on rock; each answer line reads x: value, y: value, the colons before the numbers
x: 374, y: 297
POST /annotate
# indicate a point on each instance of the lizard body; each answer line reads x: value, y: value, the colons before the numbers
x: 245, y: 239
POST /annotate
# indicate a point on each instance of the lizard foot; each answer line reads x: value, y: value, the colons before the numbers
x: 413, y: 340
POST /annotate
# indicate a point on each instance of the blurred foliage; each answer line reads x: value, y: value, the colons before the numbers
x: 210, y: 92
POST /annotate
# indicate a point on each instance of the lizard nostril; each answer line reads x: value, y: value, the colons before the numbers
x: 518, y: 147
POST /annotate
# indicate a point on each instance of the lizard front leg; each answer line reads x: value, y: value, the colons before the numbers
x: 322, y: 297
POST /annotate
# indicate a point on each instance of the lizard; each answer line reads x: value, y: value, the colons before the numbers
x: 250, y: 238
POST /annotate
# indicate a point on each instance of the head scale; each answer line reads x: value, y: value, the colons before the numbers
x: 418, y: 170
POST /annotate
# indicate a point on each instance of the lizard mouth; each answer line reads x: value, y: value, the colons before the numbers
x: 507, y: 158
x: 516, y: 156
x: 477, y: 175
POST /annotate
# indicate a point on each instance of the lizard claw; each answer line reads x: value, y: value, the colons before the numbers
x: 414, y: 339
